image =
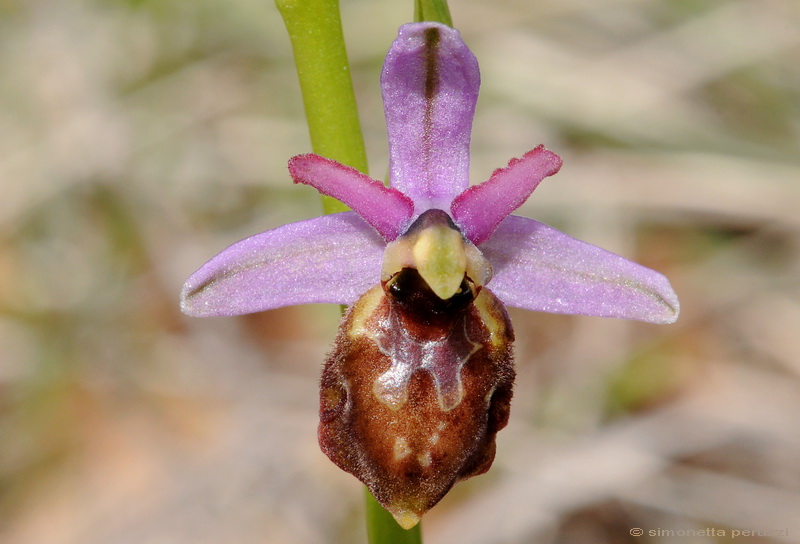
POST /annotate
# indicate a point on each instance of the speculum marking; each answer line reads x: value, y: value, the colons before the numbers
x: 442, y: 358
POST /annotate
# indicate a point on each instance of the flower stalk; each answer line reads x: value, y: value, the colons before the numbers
x: 315, y: 30
x: 435, y: 11
x: 382, y: 527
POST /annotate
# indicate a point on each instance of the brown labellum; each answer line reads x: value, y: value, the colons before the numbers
x: 416, y: 389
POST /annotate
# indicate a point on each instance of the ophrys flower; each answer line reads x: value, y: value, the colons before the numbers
x: 420, y: 377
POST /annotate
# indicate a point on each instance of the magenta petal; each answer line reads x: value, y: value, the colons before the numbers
x: 430, y: 86
x: 479, y: 209
x: 387, y: 210
x: 539, y: 268
x: 331, y: 259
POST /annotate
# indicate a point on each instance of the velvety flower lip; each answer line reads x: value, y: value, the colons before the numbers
x: 430, y: 86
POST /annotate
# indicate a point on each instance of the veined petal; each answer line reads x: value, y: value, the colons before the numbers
x: 479, y: 209
x: 386, y: 209
x: 430, y: 86
x: 331, y: 259
x: 539, y: 268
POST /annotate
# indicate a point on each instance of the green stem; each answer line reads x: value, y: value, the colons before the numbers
x: 432, y: 10
x: 383, y: 529
x: 315, y: 30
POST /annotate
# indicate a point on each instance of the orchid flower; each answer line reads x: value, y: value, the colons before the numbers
x: 420, y: 377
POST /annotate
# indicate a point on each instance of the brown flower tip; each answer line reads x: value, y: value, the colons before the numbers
x: 415, y: 391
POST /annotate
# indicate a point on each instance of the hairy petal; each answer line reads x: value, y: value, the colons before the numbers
x: 386, y: 209
x: 539, y: 268
x: 331, y: 259
x: 430, y: 86
x: 479, y: 209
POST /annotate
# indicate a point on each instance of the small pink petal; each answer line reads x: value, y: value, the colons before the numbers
x: 539, y: 268
x: 386, y: 209
x: 332, y: 259
x: 479, y: 209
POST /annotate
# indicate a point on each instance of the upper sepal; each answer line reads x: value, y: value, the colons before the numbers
x: 430, y: 87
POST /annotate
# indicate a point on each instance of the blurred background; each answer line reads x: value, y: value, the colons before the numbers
x: 140, y: 137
